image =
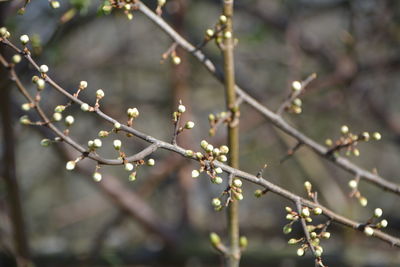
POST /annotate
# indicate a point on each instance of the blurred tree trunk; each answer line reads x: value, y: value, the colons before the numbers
x: 9, y: 165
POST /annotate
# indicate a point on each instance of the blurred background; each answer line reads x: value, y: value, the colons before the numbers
x: 165, y: 216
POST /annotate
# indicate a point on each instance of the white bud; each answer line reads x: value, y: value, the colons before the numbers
x: 317, y: 211
x: 222, y: 158
x: 209, y: 32
x: 218, y: 180
x: 90, y: 143
x: 44, y: 69
x: 99, y: 94
x: 132, y: 112
x: 326, y: 235
x: 296, y: 86
x: 204, y: 144
x: 57, y: 116
x: 181, y: 108
x: 377, y: 136
x: 216, y: 202
x: 237, y: 183
x: 84, y: 107
x: 224, y: 149
x: 117, y: 125
x: 368, y: 231
x: 70, y: 165
x: 16, y: 59
x: 59, y: 108
x: 383, y: 223
x: 132, y: 176
x: 195, y: 173
x: 344, y: 129
x: 353, y: 184
x: 97, y: 176
x: 218, y: 170
x: 40, y: 83
x: 129, y: 166
x: 305, y: 212
x: 24, y: 39
x: 151, y: 162
x: 161, y: 2
x: 83, y: 84
x: 223, y: 19
x: 176, y: 60
x: 97, y: 143
x: 300, y: 252
x: 26, y: 106
x: 228, y: 35
x: 54, y: 4
x: 189, y: 125
x: 378, y: 212
x: 209, y: 148
x: 69, y: 120
x: 117, y: 144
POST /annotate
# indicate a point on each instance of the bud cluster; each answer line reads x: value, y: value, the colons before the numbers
x: 349, y: 141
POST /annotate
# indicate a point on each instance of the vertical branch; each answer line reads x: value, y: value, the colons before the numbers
x: 233, y: 256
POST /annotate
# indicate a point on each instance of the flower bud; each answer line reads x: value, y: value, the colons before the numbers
x: 215, y: 239
x: 24, y: 120
x: 292, y: 241
x: 300, y: 252
x: 290, y: 217
x: 40, y: 84
x: 97, y: 176
x: 237, y: 182
x: 218, y: 180
x: 296, y: 86
x: 216, y: 202
x: 238, y: 196
x: 297, y: 102
x: 363, y: 201
x: 353, y: 184
x: 377, y: 136
x: 189, y: 153
x: 287, y: 229
x: 204, y: 144
x: 308, y: 186
x: 132, y: 176
x: 44, y: 69
x: 189, y: 125
x: 210, y: 32
x: 383, y: 224
x: 57, y: 116
x: 3, y: 31
x: 26, y: 106
x: 132, y: 112
x: 181, y: 108
x: 45, y: 142
x: 224, y: 149
x: 24, y: 39
x: 176, y: 60
x: 195, y: 173
x: 128, y: 166
x: 218, y: 170
x: 228, y: 35
x: 59, y: 108
x: 209, y: 148
x: 84, y: 107
x: 161, y: 2
x: 103, y: 134
x: 368, y: 231
x: 305, y: 212
x: 117, y: 144
x: 243, y: 242
x: 69, y: 120
x: 258, y: 193
x: 223, y: 19
x: 328, y: 142
x: 151, y: 162
x: 70, y: 165
x: 378, y: 212
x: 317, y: 211
x: 83, y: 85
x: 16, y: 59
x: 356, y: 152
x: 54, y: 4
x: 222, y: 158
x: 344, y: 129
x: 365, y: 136
x: 326, y: 235
x: 97, y: 143
x: 99, y: 94
x: 117, y: 125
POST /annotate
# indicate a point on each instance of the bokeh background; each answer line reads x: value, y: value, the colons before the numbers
x: 164, y: 218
